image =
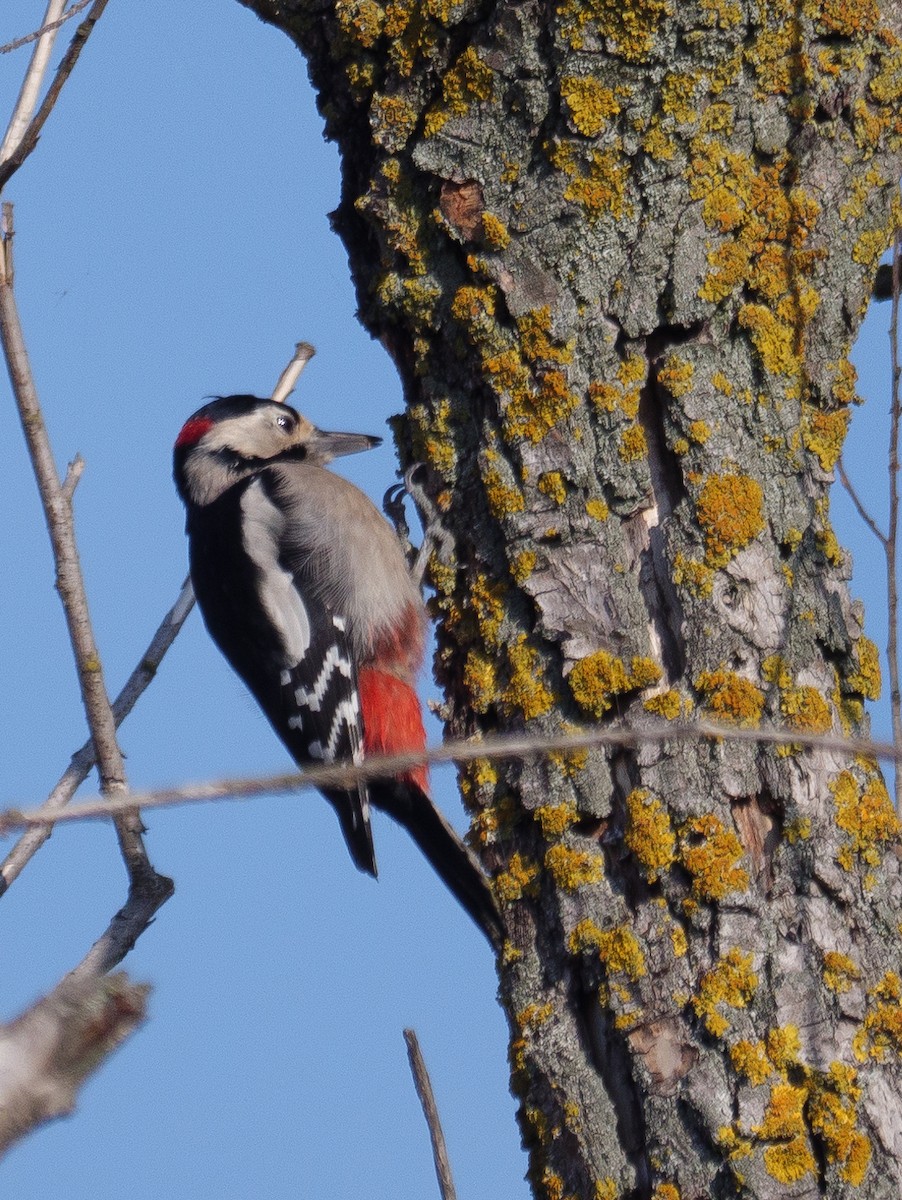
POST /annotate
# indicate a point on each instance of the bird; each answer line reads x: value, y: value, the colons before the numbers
x: 305, y: 588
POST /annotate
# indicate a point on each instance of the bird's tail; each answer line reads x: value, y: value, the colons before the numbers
x: 353, y: 810
x: 452, y: 861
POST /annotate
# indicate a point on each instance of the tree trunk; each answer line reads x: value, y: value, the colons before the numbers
x: 619, y: 250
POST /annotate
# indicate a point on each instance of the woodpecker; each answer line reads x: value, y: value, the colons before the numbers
x: 305, y: 589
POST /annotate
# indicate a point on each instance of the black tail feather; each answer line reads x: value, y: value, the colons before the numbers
x: 452, y: 861
x: 353, y: 812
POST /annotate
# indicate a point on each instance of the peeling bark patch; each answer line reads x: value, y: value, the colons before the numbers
x: 462, y: 207
x: 759, y: 834
x: 665, y: 1054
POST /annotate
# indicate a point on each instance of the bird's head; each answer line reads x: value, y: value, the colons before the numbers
x: 235, y: 436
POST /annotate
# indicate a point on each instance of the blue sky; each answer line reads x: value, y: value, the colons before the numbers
x: 172, y: 242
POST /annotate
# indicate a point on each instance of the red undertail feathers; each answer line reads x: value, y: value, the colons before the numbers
x: 392, y: 719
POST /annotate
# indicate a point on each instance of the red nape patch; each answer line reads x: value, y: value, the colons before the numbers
x: 193, y: 431
x: 392, y: 719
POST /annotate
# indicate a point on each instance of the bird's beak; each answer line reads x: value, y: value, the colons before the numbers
x: 335, y: 445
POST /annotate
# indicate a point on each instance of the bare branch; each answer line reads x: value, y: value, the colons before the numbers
x: 33, y: 81
x: 859, y: 506
x: 29, y: 138
x: 892, y: 538
x: 49, y: 26
x: 287, y: 381
x: 423, y: 1085
x: 505, y: 747
x: 143, y: 880
x: 47, y: 1053
x: 84, y: 759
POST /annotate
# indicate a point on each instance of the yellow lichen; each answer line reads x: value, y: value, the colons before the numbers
x: 518, y: 880
x: 618, y: 948
x: 555, y: 819
x: 503, y: 499
x: 696, y: 576
x: 784, y: 1046
x: 789, y: 1158
x: 590, y: 103
x: 881, y: 1032
x: 806, y: 709
x: 730, y: 510
x: 711, y: 854
x: 526, y: 691
x: 481, y: 679
x: 629, y: 28
x: 572, y: 869
x: 729, y: 697
x: 730, y: 982
x: 866, y: 815
x: 666, y: 1191
x: 597, y: 679
x: 649, y: 833
x: 633, y: 444
x: 551, y: 484
x: 840, y: 972
x: 597, y: 509
x: 750, y: 1059
x: 467, y: 81
x: 832, y: 1112
x: 866, y: 679
x: 823, y: 433
x: 676, y: 375
x: 523, y: 565
x: 495, y: 231
x: 666, y: 704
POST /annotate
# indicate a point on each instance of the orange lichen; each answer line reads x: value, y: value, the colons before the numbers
x: 730, y: 510
x: 730, y: 697
x: 711, y: 854
x: 789, y: 1158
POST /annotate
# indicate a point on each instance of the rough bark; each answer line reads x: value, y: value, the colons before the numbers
x: 619, y: 250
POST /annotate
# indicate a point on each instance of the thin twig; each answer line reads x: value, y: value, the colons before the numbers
x: 503, y: 747
x: 84, y: 759
x: 287, y: 381
x: 146, y: 888
x: 859, y: 506
x: 49, y: 26
x: 33, y: 81
x: 423, y: 1085
x: 29, y: 138
x: 892, y: 539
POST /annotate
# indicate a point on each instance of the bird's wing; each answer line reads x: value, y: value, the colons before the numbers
x: 317, y: 714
